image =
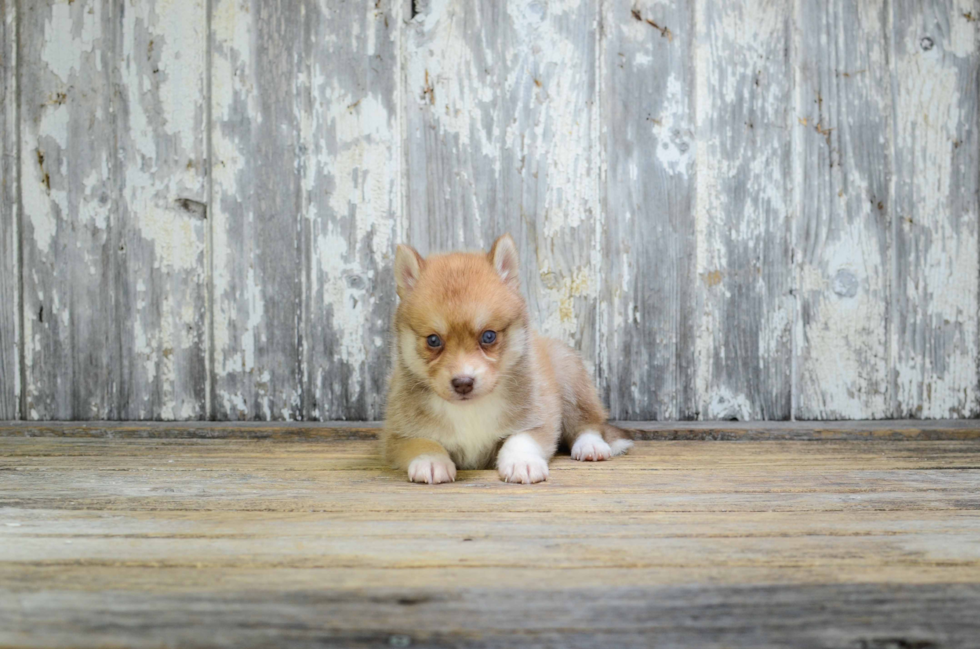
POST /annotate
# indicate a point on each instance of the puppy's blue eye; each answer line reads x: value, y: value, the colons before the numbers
x: 488, y: 337
x: 434, y: 341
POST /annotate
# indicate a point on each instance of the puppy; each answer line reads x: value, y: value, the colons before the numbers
x: 473, y: 386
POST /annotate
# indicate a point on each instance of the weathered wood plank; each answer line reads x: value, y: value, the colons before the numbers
x: 352, y: 182
x: 161, y: 281
x: 935, y: 71
x: 70, y: 198
x: 360, y: 455
x: 814, y: 615
x: 259, y: 261
x: 187, y: 542
x: 843, y: 236
x: 744, y: 81
x: 10, y: 343
x: 648, y: 273
x: 378, y: 552
x: 664, y: 477
x: 112, y: 152
x: 502, y: 135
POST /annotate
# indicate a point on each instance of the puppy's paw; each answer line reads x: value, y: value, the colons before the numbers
x: 591, y: 447
x: 526, y: 469
x: 432, y: 469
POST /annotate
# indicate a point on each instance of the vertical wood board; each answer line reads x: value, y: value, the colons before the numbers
x: 842, y: 131
x: 744, y: 211
x: 257, y: 201
x: 935, y: 193
x: 70, y: 200
x: 351, y: 132
x: 112, y: 157
x: 10, y: 344
x: 161, y: 280
x: 648, y: 262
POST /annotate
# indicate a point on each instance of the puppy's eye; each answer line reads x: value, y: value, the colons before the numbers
x: 488, y: 337
x: 434, y: 341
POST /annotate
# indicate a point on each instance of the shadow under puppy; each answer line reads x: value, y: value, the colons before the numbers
x: 473, y: 385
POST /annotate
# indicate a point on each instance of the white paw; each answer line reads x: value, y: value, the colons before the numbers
x: 591, y: 447
x: 521, y: 459
x: 525, y: 469
x: 432, y: 469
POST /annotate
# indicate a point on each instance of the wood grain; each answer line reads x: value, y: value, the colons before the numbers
x: 188, y: 542
x: 303, y: 292
x: 502, y: 135
x: 842, y: 135
x: 937, y: 170
x: 648, y: 270
x: 743, y: 209
x: 352, y: 184
x: 112, y: 157
x: 10, y: 343
x: 71, y: 200
x: 259, y: 261
x: 161, y: 270
x: 731, y: 217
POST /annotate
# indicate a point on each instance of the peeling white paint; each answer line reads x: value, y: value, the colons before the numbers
x: 672, y: 131
x: 936, y: 355
x: 68, y: 37
x: 560, y: 319
x: 725, y: 405
x: 517, y: 125
x: 731, y: 80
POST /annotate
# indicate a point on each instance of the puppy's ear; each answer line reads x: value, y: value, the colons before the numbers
x: 408, y: 267
x: 503, y: 256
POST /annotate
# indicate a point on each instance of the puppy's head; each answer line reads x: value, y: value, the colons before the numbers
x: 462, y: 322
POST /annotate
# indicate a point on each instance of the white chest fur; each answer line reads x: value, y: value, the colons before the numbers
x: 470, y: 430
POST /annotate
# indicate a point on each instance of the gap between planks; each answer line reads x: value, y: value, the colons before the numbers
x: 892, y: 430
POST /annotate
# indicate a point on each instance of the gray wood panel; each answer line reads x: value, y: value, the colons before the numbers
x: 842, y: 135
x: 352, y: 182
x: 70, y: 198
x: 935, y: 89
x: 257, y: 200
x: 648, y: 248
x: 730, y: 217
x: 161, y: 280
x: 10, y: 344
x: 744, y: 208
x: 502, y: 135
x: 306, y: 203
x: 112, y: 156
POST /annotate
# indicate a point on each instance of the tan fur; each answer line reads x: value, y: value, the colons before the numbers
x: 529, y: 392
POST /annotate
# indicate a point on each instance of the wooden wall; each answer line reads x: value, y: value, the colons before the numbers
x: 756, y: 210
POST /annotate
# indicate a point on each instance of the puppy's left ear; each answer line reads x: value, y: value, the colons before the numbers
x: 503, y: 256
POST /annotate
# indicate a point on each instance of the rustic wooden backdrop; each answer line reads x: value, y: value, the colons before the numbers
x: 755, y: 210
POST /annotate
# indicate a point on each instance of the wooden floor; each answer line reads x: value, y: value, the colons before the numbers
x: 119, y: 537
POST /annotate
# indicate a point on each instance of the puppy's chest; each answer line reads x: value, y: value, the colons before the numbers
x: 472, y: 432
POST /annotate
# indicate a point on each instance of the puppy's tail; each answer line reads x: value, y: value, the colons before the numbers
x: 619, y: 439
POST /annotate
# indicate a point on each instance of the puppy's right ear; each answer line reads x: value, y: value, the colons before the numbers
x: 408, y: 267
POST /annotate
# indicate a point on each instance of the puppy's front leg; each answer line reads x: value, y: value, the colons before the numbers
x: 523, y: 459
x: 426, y: 460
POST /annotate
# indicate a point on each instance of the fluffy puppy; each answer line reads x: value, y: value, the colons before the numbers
x: 473, y: 385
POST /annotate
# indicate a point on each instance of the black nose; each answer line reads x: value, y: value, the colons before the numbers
x: 463, y: 384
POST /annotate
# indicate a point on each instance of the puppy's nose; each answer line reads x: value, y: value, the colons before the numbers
x: 463, y: 384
